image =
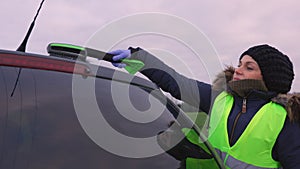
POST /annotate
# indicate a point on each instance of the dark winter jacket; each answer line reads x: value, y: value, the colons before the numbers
x: 199, y: 94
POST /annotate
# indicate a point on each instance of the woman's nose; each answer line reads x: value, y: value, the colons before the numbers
x: 238, y: 70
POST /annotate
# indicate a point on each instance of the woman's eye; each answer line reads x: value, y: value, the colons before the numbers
x: 249, y: 68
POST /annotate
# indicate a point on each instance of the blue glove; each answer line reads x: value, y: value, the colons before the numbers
x: 122, y: 58
x: 119, y: 55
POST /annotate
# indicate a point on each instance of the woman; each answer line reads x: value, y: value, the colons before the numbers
x: 258, y: 123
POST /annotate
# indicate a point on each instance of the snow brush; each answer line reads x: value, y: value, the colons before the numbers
x: 79, y: 52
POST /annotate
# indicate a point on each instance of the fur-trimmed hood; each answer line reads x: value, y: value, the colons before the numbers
x: 291, y: 101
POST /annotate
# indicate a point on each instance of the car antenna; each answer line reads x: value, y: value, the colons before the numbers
x: 22, y: 47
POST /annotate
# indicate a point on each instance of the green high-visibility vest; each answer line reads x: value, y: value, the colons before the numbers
x: 255, y: 145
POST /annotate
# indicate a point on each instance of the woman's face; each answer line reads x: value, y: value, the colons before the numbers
x: 247, y: 69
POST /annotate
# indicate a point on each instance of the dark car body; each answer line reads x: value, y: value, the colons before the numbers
x: 39, y: 122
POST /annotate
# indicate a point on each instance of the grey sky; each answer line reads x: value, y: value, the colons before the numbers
x: 232, y: 25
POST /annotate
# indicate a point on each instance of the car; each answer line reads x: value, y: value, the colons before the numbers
x: 42, y: 126
x: 60, y: 111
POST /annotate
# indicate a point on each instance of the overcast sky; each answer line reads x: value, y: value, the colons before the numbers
x: 231, y: 25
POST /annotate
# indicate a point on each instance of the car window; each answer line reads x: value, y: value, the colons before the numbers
x: 11, y: 115
x: 3, y: 112
x: 18, y: 113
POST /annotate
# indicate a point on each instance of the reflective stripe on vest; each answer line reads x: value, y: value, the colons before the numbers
x: 255, y: 145
x: 237, y: 164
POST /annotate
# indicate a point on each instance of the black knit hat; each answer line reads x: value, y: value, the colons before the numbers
x: 276, y: 67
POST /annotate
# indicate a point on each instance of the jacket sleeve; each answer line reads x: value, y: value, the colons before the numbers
x: 287, y: 147
x: 193, y: 92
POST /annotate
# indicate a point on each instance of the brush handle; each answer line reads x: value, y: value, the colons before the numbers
x: 100, y: 55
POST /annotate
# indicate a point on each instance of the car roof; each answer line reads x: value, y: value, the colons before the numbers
x: 98, y: 71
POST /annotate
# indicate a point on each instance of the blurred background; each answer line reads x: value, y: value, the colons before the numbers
x: 232, y: 26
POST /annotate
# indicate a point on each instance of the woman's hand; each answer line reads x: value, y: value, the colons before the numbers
x: 120, y: 55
